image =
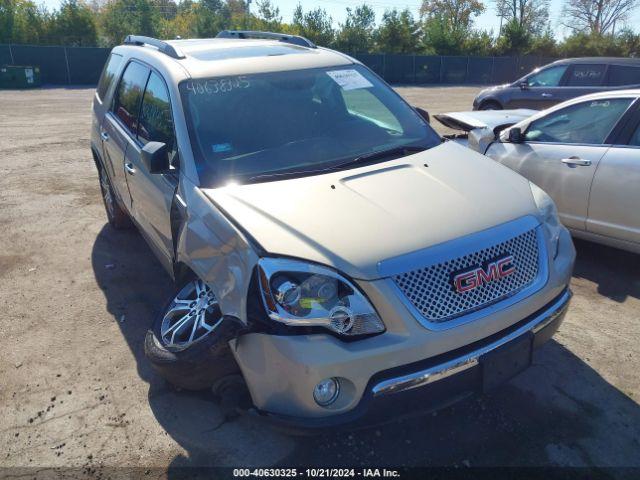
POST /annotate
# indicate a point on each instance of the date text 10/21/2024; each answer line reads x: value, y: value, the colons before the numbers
x: 317, y: 472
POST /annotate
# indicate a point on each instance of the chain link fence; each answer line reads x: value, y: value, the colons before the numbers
x: 58, y: 65
x: 440, y: 69
x: 82, y: 65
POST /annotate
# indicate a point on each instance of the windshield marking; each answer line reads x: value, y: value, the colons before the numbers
x: 218, y: 85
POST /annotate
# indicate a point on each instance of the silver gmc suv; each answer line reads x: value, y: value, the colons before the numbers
x: 331, y: 254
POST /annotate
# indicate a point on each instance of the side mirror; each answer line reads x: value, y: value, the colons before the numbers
x: 515, y: 135
x: 155, y: 157
x: 524, y: 85
x: 423, y: 113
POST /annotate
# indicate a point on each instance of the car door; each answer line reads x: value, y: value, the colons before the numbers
x: 102, y: 104
x: 539, y: 90
x: 614, y: 205
x: 561, y: 151
x: 121, y: 123
x: 152, y: 193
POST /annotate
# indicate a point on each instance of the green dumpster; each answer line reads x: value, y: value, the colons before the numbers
x: 13, y: 76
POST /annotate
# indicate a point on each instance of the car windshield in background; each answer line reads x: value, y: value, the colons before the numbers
x: 272, y: 124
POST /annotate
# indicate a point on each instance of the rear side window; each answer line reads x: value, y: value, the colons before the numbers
x: 586, y: 75
x: 108, y: 74
x: 156, y: 123
x: 623, y: 75
x: 126, y: 104
x: 583, y: 123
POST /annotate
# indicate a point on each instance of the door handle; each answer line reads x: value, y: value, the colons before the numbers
x: 547, y: 95
x: 129, y: 168
x: 576, y: 162
x: 104, y: 136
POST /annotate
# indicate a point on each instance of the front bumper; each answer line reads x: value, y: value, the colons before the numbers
x: 429, y: 384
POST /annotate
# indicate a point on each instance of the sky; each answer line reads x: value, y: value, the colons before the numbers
x: 337, y: 9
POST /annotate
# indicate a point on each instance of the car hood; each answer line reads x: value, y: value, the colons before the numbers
x: 491, y: 119
x: 352, y: 220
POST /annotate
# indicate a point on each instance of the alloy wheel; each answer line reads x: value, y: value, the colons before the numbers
x: 191, y: 316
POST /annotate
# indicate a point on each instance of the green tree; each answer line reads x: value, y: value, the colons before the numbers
x: 629, y: 43
x: 544, y: 45
x: 356, y: 33
x: 74, y: 24
x: 448, y: 25
x: 457, y: 15
x: 268, y: 16
x: 316, y: 25
x: 530, y: 16
x: 398, y: 32
x: 168, y: 9
x: 515, y: 39
x: 123, y: 17
x: 478, y: 42
x: 22, y: 21
x: 212, y: 16
x: 582, y: 44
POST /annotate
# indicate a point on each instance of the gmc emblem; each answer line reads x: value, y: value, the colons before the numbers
x: 481, y: 275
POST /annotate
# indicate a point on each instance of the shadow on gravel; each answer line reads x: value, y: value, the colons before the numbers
x: 559, y: 412
x: 135, y: 285
x: 614, y: 271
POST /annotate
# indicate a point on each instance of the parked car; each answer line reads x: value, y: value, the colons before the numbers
x: 561, y: 81
x: 329, y: 250
x: 585, y: 153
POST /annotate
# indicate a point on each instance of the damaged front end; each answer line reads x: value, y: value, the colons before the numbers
x: 480, y: 128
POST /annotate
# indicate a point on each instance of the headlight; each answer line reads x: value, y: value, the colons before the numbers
x: 549, y: 215
x: 297, y: 293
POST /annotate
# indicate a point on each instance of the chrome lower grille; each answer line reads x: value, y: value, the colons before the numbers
x: 431, y: 289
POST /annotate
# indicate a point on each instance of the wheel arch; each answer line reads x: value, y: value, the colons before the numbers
x: 97, y: 159
x: 491, y: 100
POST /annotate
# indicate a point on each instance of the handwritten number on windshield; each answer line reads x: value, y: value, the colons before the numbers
x: 218, y: 85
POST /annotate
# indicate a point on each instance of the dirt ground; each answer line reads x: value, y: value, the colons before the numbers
x: 76, y: 298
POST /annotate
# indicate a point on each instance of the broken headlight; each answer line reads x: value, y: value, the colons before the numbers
x: 301, y: 294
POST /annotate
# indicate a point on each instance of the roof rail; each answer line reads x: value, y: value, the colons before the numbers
x: 161, y: 45
x: 282, y: 37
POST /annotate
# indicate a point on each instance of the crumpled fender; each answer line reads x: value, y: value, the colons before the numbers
x: 215, y: 250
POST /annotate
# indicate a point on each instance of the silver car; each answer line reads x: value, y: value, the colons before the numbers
x: 333, y: 258
x: 585, y: 153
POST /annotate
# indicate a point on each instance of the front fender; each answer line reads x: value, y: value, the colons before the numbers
x: 216, y: 251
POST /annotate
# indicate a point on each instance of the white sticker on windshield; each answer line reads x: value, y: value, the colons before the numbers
x: 349, y: 79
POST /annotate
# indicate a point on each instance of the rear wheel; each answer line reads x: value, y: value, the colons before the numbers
x: 490, y: 105
x: 188, y: 343
x: 118, y: 218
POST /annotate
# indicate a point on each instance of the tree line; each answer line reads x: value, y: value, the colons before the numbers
x: 442, y: 27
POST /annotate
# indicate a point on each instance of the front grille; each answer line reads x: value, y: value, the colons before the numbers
x: 430, y: 289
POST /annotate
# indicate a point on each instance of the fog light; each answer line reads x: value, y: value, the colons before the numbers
x: 326, y: 392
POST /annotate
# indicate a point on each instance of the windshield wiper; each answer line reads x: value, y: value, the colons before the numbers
x: 380, y: 154
x: 367, y: 157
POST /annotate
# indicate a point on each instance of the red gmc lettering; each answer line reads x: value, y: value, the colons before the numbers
x: 464, y: 282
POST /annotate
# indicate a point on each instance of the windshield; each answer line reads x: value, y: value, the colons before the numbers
x: 255, y: 126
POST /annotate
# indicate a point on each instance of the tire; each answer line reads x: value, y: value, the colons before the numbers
x: 117, y: 217
x: 192, y: 364
x: 490, y: 105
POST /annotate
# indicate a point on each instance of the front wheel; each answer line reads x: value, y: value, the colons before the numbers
x: 188, y: 342
x: 490, y: 105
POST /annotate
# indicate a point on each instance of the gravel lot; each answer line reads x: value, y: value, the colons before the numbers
x: 77, y: 297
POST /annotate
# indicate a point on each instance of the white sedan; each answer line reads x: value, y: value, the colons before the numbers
x: 585, y: 153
